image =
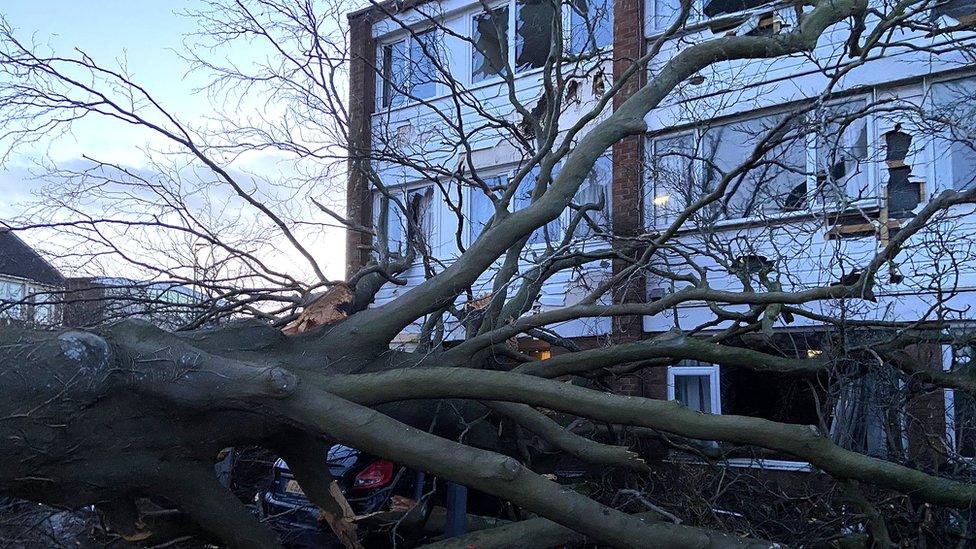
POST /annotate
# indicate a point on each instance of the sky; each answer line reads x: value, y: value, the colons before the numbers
x: 146, y: 36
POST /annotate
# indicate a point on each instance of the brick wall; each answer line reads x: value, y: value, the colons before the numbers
x: 628, y: 157
x: 362, y: 98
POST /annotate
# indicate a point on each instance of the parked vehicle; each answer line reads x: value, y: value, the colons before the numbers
x: 369, y: 484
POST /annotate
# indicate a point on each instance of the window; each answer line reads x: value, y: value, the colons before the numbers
x: 590, y: 25
x: 552, y: 231
x: 812, y: 159
x: 869, y: 412
x: 960, y: 406
x: 418, y: 203
x: 409, y: 69
x: 841, y: 147
x: 696, y: 385
x: 715, y: 8
x: 773, y: 184
x: 533, y: 33
x: 480, y: 207
x: 11, y: 292
x: 395, y: 82
x: 594, y: 189
x: 954, y: 101
x: 490, y: 52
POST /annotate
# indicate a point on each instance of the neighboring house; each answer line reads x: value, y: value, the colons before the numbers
x: 30, y: 286
x: 91, y: 301
x: 886, y: 165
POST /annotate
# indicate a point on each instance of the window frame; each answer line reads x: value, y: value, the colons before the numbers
x: 403, y: 192
x: 401, y: 98
x: 941, y: 164
x: 697, y: 17
x: 564, y: 218
x: 712, y: 371
x: 949, y: 398
x: 868, y: 177
x: 565, y: 14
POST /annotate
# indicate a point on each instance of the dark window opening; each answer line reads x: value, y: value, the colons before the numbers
x: 533, y: 33
x: 394, y: 74
x: 904, y: 195
x: 490, y: 37
x: 715, y: 8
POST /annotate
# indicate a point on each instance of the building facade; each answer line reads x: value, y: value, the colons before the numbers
x: 30, y: 287
x: 860, y: 150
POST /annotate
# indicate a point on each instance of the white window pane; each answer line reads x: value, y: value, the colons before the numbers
x: 423, y: 69
x: 481, y: 208
x: 956, y: 102
x: 775, y: 183
x: 665, y: 13
x: 674, y: 178
x: 552, y: 231
x: 490, y: 50
x: 591, y: 25
x: 841, y: 151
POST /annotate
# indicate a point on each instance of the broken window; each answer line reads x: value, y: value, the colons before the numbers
x: 590, y: 25
x: 490, y: 51
x: 533, y: 33
x: 715, y: 8
x: 955, y: 101
x: 904, y: 195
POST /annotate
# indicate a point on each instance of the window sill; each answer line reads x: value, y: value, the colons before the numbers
x: 750, y: 463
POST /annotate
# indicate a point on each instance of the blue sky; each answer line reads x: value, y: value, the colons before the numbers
x: 146, y: 36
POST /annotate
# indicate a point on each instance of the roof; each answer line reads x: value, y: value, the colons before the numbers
x: 20, y: 260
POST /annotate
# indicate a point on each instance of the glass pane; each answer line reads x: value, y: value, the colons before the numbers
x: 533, y: 33
x: 665, y: 12
x: 594, y: 188
x: 481, y: 207
x: 694, y: 391
x: 394, y: 73
x: 842, y: 147
x: 675, y: 180
x: 591, y: 25
x: 775, y: 183
x: 956, y: 101
x: 490, y: 51
x: 423, y: 73
x: 552, y: 231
